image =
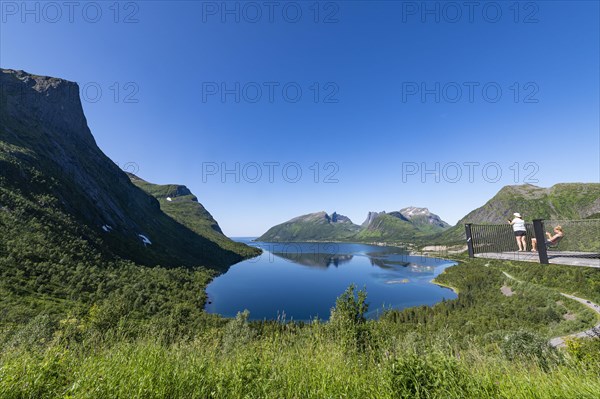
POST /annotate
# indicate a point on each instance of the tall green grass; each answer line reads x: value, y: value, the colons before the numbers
x: 481, y: 345
x: 289, y: 364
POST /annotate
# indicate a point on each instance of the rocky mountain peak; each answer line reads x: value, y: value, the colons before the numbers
x: 371, y: 216
x: 337, y: 218
x: 422, y: 216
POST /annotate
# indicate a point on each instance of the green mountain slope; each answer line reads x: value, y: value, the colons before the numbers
x: 561, y: 201
x: 391, y: 226
x: 52, y: 170
x: 178, y: 202
x: 407, y: 224
x: 312, y: 227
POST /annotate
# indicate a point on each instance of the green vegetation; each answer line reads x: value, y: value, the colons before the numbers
x: 387, y: 227
x: 90, y: 330
x: 579, y: 281
x: 51, y: 265
x: 305, y: 364
x: 179, y: 203
x: 482, y: 313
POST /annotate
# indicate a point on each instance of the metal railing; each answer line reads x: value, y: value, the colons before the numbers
x: 495, y: 237
x: 579, y: 235
x: 581, y: 238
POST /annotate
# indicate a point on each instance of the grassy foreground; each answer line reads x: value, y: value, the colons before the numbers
x: 287, y: 365
x: 481, y: 345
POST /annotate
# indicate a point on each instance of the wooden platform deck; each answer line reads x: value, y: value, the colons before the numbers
x: 554, y: 257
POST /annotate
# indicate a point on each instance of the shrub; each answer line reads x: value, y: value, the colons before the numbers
x: 435, y: 375
x: 237, y: 332
x: 38, y: 333
x: 525, y: 345
x: 347, y: 320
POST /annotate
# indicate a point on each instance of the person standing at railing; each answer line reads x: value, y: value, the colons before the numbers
x: 518, y: 225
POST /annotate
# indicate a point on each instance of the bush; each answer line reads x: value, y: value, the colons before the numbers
x: 525, y: 346
x: 347, y: 320
x: 435, y: 376
x: 585, y: 350
x: 237, y: 332
x: 38, y: 333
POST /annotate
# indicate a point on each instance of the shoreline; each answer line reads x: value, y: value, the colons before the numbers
x: 410, y: 248
x: 454, y: 289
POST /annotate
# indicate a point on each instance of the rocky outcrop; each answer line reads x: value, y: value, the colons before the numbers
x: 371, y: 216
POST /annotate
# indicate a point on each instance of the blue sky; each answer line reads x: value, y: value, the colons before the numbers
x: 393, y: 103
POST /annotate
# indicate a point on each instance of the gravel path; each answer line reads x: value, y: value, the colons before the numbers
x: 560, y: 341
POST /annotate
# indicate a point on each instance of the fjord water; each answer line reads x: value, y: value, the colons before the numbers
x: 301, y: 281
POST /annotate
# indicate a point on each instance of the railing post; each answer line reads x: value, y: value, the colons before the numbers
x: 469, y: 240
x: 540, y: 236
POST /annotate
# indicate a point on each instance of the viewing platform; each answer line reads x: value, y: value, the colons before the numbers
x: 570, y: 258
x: 580, y: 245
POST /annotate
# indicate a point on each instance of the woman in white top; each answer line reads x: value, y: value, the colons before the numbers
x: 518, y: 225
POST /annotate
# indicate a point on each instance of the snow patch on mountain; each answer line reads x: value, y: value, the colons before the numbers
x: 145, y: 240
x: 414, y: 211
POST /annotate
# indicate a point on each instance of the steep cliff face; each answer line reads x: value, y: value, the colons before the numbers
x: 371, y: 216
x: 47, y: 149
x: 43, y: 119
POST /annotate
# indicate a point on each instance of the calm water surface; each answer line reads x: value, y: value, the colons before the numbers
x: 303, y: 280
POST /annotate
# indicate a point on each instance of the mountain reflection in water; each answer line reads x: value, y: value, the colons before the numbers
x: 315, y: 259
x: 303, y: 280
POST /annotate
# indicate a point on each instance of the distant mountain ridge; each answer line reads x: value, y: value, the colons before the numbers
x: 405, y: 224
x: 561, y: 201
x: 311, y: 227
